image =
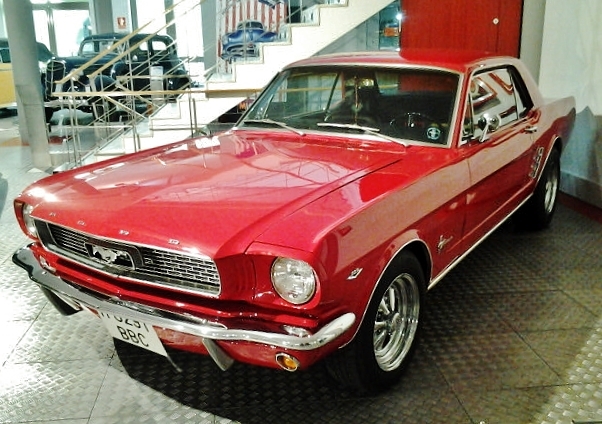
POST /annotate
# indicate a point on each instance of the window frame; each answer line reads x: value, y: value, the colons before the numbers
x: 523, y: 103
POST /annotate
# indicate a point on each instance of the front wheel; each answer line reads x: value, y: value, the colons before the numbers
x: 386, y: 339
x: 537, y: 212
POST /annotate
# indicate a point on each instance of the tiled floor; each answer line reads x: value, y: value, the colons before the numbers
x: 513, y: 335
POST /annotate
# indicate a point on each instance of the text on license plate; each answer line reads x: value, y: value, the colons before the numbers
x: 133, y: 331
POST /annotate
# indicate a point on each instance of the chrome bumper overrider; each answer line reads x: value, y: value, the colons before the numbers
x: 208, y: 331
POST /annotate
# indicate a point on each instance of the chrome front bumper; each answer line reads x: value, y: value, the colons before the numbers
x: 208, y: 331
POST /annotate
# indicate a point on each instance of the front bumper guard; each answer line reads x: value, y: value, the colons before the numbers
x: 208, y: 331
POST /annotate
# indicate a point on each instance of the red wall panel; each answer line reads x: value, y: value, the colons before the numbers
x: 490, y: 25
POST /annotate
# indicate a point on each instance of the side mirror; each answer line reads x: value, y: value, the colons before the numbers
x: 488, y: 123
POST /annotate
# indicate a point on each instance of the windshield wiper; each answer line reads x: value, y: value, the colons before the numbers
x: 274, y: 123
x: 366, y: 130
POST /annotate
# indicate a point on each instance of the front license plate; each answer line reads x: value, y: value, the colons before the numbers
x: 133, y: 331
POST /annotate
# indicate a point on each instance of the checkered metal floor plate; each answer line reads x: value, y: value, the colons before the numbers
x: 512, y: 335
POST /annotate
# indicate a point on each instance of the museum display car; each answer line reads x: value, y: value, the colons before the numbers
x: 245, y: 40
x: 8, y: 96
x: 312, y: 229
x: 113, y: 62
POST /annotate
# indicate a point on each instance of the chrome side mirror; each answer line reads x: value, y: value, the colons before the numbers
x: 488, y: 123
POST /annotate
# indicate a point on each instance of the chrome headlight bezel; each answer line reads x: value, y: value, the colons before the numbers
x: 294, y: 280
x: 28, y: 221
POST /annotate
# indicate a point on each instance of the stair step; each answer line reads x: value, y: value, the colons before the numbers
x: 176, y: 121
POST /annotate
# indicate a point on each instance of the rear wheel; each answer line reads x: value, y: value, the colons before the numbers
x: 386, y: 339
x: 537, y: 212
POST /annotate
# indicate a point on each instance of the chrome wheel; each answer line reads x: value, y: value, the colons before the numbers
x: 387, y: 338
x: 551, y: 189
x: 537, y: 212
x: 396, y: 322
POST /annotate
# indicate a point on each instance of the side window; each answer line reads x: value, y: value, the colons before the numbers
x: 4, y: 56
x: 87, y: 49
x: 493, y: 103
x: 159, y: 49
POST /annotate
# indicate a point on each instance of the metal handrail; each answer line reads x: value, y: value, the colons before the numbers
x: 124, y: 41
x: 129, y: 103
x: 131, y: 48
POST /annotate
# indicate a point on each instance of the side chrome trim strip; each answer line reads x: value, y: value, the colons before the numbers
x: 452, y: 265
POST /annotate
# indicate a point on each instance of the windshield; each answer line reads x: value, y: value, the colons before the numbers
x: 93, y: 47
x: 409, y: 104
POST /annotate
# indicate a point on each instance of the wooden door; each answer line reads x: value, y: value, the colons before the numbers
x: 484, y: 25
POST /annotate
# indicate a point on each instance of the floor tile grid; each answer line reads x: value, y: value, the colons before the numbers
x: 560, y: 326
x: 55, y: 368
x: 499, y: 346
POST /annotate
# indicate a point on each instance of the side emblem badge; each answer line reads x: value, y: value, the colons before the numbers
x: 355, y: 273
x: 443, y: 242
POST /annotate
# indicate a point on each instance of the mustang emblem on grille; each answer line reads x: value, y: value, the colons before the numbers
x: 110, y: 256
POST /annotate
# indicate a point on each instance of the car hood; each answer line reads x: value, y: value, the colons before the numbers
x: 211, y: 195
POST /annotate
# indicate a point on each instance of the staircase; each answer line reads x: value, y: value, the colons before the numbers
x: 320, y: 25
x: 232, y: 81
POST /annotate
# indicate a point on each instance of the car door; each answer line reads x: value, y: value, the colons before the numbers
x: 498, y: 139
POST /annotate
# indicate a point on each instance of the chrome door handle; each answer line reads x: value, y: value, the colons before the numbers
x: 531, y: 129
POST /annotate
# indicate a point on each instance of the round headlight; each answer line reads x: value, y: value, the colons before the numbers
x: 294, y: 281
x: 28, y: 220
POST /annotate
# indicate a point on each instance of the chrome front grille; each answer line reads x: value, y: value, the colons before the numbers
x: 152, y: 265
x: 69, y: 240
x: 187, y: 269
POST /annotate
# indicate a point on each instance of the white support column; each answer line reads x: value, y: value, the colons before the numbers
x: 101, y: 14
x: 2, y: 27
x: 122, y: 16
x: 26, y: 73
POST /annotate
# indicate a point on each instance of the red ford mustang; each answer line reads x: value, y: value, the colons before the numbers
x: 313, y: 229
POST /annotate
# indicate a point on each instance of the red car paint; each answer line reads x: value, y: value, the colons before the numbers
x: 345, y: 203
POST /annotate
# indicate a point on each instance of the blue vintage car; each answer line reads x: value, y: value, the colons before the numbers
x: 245, y: 41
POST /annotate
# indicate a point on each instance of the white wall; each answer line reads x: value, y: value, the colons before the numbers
x: 2, y: 23
x: 121, y: 10
x: 571, y: 65
x: 532, y: 34
x: 149, y: 10
x: 571, y: 59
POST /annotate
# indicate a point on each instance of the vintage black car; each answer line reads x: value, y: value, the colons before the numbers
x: 129, y: 62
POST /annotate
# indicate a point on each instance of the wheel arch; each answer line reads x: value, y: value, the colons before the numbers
x: 365, y: 364
x: 416, y: 247
x: 420, y: 250
x: 558, y: 144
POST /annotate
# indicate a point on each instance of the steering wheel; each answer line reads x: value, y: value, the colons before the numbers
x: 418, y: 126
x: 412, y: 120
x: 350, y: 118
